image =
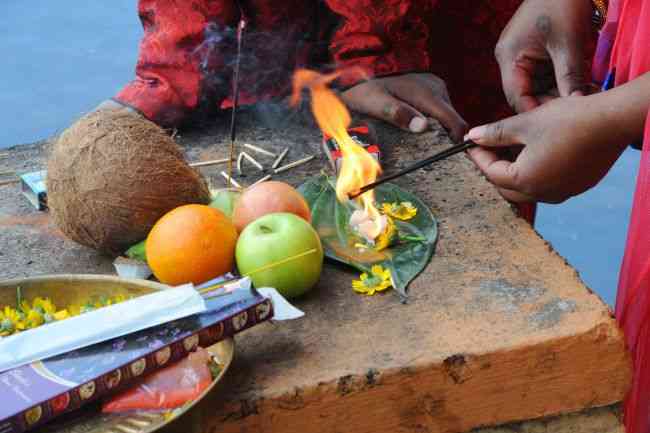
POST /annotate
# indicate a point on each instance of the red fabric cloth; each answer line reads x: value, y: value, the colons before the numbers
x: 187, y: 52
x: 630, y: 59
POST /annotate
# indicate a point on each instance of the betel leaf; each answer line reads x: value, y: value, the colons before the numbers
x: 405, y: 260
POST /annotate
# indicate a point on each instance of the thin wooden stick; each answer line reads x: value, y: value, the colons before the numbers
x: 294, y: 164
x: 453, y: 150
x: 277, y: 162
x: 230, y: 180
x: 260, y: 269
x: 211, y: 162
x: 264, y: 179
x: 235, y: 102
x: 253, y: 161
x: 259, y: 150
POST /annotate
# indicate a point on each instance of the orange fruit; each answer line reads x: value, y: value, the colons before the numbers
x: 191, y: 244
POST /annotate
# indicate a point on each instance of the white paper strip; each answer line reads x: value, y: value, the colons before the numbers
x: 282, y: 309
x: 99, y: 325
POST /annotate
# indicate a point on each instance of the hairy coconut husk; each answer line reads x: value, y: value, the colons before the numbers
x: 112, y: 175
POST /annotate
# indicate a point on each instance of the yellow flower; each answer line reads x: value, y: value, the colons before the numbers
x: 24, y: 306
x: 44, y: 305
x: 377, y: 280
x: 403, y: 211
x: 33, y: 319
x: 15, y: 317
x: 61, y: 314
x: 119, y: 298
x: 388, y: 236
x: 6, y: 325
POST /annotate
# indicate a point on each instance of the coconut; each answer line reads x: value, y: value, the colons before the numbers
x: 112, y: 175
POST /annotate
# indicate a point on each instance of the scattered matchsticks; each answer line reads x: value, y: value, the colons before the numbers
x: 277, y: 162
x: 211, y: 162
x: 253, y: 161
x: 240, y: 159
x: 264, y: 179
x: 230, y: 180
x: 294, y: 164
x: 259, y: 150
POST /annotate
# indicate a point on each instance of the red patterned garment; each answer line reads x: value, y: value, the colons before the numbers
x: 188, y: 49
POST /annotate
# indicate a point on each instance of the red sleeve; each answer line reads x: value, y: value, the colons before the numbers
x: 384, y: 37
x: 168, y: 79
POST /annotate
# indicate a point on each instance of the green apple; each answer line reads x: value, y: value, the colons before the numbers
x: 274, y: 238
x: 224, y: 200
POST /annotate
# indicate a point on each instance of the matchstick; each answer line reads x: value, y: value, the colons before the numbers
x: 277, y: 162
x: 253, y: 161
x: 259, y: 150
x: 294, y: 164
x: 211, y: 162
x: 230, y: 180
x: 240, y: 158
x: 264, y: 179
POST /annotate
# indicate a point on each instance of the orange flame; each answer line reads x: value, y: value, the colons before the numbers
x: 358, y: 168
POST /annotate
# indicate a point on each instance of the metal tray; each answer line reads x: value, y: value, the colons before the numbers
x: 71, y: 289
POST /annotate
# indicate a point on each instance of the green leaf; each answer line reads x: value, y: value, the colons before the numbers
x: 405, y: 260
x: 137, y: 252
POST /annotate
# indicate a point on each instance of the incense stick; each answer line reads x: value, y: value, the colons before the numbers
x: 233, y: 129
x: 458, y: 148
x: 260, y: 269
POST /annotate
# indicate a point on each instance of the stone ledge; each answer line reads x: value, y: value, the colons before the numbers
x: 499, y: 328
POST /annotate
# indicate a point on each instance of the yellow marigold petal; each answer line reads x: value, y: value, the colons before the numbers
x: 361, y: 290
x: 61, y: 314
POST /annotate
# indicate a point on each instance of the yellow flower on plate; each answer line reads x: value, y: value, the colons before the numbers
x: 403, y: 211
x: 43, y: 305
x: 61, y: 314
x: 377, y: 280
x: 33, y: 319
x: 387, y: 237
x: 15, y: 317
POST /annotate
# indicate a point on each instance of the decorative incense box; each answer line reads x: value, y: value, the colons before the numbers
x: 35, y: 393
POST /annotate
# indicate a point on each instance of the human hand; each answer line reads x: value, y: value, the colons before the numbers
x: 541, y: 52
x: 406, y: 101
x: 567, y: 149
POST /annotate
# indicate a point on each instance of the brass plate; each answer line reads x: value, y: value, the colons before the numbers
x: 74, y: 289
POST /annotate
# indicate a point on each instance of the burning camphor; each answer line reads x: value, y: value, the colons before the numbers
x: 358, y: 167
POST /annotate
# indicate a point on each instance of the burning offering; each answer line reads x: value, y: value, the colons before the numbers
x: 385, y: 232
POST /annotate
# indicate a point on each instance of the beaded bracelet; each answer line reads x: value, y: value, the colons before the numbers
x: 600, y: 13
